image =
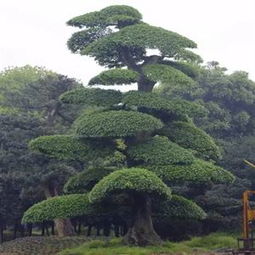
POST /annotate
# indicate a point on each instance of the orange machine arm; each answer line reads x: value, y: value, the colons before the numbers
x: 248, y: 213
x: 249, y: 163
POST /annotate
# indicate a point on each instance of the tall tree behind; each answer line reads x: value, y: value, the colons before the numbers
x: 230, y: 103
x: 30, y: 107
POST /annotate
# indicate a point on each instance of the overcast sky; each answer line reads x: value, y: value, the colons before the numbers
x: 34, y: 31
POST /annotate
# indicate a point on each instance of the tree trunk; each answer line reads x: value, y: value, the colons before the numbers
x: 30, y: 229
x: 64, y: 227
x: 89, y: 230
x: 145, y: 84
x: 15, y: 231
x: 141, y: 231
x: 1, y: 232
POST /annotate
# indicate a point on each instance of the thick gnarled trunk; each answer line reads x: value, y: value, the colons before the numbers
x: 141, y: 231
x: 64, y: 227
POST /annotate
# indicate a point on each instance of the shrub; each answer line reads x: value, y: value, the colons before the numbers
x: 129, y: 180
x: 116, y: 124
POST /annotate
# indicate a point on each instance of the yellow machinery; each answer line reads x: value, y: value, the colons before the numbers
x: 248, y: 214
x: 248, y: 247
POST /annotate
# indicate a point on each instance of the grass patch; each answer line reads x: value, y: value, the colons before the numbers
x: 213, y: 241
x: 103, y: 246
x: 197, y: 245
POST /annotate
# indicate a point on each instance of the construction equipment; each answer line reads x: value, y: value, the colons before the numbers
x: 246, y: 245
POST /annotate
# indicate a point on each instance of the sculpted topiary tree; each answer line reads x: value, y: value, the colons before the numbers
x: 153, y: 138
x: 117, y: 38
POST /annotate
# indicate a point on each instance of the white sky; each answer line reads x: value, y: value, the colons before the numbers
x: 34, y: 31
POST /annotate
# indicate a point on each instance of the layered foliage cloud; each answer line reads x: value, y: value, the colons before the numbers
x: 83, y: 182
x: 190, y: 137
x: 199, y: 171
x: 168, y: 74
x: 92, y: 96
x: 62, y: 207
x: 115, y: 76
x: 116, y: 124
x: 159, y: 150
x: 65, y: 147
x: 108, y: 16
x: 169, y: 43
x: 129, y: 180
x: 179, y: 207
x: 153, y: 101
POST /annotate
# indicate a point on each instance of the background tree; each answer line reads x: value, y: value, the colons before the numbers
x: 30, y: 107
x: 137, y: 125
x: 229, y: 100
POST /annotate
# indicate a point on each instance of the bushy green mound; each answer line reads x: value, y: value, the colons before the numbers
x: 167, y: 74
x: 169, y: 43
x: 74, y: 205
x: 178, y: 207
x: 199, y: 171
x: 60, y: 207
x: 66, y: 147
x: 146, y: 99
x: 154, y: 101
x: 116, y: 124
x: 86, y: 180
x: 160, y: 151
x: 60, y: 146
x: 92, y: 96
x: 133, y: 180
x: 115, y: 77
x: 190, y: 137
x: 192, y: 109
x: 190, y: 69
x: 108, y: 16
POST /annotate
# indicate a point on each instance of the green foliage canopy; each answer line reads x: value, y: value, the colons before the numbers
x: 190, y: 137
x: 167, y: 74
x: 86, y: 180
x: 169, y: 43
x: 115, y: 76
x: 65, y: 147
x: 199, y: 171
x: 149, y: 100
x: 92, y: 96
x: 159, y: 150
x: 179, y: 207
x: 109, y: 16
x: 129, y: 180
x: 116, y: 124
x: 60, y: 207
